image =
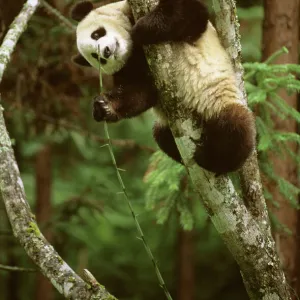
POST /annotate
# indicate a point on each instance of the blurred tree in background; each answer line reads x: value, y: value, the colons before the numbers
x: 281, y: 28
x: 71, y: 183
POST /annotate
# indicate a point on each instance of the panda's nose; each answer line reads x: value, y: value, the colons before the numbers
x: 107, y: 52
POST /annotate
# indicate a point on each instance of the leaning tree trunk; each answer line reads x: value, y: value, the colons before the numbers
x: 23, y: 222
x: 281, y: 28
x: 245, y: 231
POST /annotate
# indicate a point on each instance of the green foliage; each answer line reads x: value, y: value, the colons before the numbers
x: 264, y: 82
x: 251, y: 31
x: 168, y: 189
x: 251, y: 13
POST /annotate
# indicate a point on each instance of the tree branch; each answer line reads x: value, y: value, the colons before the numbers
x: 23, y: 223
x: 63, y: 123
x: 252, y: 247
x: 16, y: 29
x: 15, y: 269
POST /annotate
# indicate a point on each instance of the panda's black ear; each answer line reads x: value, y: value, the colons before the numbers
x: 81, y: 9
x: 78, y: 59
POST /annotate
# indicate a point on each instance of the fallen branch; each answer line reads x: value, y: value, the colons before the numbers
x: 23, y: 223
x: 251, y: 246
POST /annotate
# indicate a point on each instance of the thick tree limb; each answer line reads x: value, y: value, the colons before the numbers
x: 251, y: 246
x: 16, y: 29
x: 23, y: 223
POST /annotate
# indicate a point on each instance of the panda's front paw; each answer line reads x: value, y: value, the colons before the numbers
x: 138, y: 32
x: 145, y: 31
x: 102, y: 109
x: 153, y: 28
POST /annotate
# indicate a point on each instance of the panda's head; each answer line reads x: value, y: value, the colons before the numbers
x: 103, y: 34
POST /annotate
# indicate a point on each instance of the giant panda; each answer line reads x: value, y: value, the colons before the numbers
x: 204, y: 75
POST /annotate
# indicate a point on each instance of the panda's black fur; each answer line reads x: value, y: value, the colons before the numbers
x: 228, y: 136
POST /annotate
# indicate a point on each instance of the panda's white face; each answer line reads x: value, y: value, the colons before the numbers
x: 105, y: 33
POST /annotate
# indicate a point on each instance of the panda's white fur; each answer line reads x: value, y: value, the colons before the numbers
x: 204, y: 82
x: 114, y: 18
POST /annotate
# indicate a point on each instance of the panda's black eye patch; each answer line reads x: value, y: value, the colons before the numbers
x: 95, y: 55
x: 97, y: 34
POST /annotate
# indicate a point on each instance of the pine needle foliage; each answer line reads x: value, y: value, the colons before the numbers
x: 263, y: 82
x: 168, y: 190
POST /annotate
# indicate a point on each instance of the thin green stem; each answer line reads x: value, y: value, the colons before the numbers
x: 138, y: 227
x: 276, y: 54
x: 273, y: 57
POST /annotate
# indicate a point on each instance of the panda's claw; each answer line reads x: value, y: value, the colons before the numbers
x: 102, y: 109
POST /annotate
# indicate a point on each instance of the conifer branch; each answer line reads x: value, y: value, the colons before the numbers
x: 251, y: 246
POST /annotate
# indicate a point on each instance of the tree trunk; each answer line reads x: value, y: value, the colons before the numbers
x: 281, y: 28
x: 186, y: 265
x: 7, y: 256
x: 44, y: 289
x: 248, y: 242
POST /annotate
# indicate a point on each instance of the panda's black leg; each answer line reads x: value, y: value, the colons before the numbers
x: 226, y: 141
x: 165, y: 140
x: 172, y: 20
x: 123, y: 102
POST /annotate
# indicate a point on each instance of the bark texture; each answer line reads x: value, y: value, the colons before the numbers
x: 281, y: 28
x: 249, y: 243
x: 23, y: 223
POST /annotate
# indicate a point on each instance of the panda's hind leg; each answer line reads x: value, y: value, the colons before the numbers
x: 165, y: 140
x: 172, y: 21
x: 227, y: 140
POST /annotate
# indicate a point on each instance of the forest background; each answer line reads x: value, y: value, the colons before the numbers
x: 72, y: 187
